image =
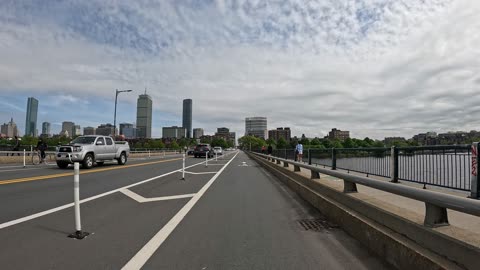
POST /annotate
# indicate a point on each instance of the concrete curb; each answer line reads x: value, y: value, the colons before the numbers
x: 400, y: 242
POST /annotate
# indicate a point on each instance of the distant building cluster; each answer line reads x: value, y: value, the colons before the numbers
x: 449, y: 138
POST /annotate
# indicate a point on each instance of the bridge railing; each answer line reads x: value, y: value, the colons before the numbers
x: 436, y: 203
x: 446, y: 166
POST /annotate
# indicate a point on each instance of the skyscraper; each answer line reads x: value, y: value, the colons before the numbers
x: 187, y: 117
x: 144, y: 116
x: 31, y: 119
x: 256, y: 126
x: 46, y: 129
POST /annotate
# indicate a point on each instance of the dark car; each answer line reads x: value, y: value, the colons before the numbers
x: 203, y: 149
x: 190, y: 152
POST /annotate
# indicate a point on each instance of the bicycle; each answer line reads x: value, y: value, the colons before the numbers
x: 37, y: 158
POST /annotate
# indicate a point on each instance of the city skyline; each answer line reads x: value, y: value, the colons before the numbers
x: 375, y: 69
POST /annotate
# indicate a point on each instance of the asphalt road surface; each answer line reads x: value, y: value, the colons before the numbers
x: 229, y: 215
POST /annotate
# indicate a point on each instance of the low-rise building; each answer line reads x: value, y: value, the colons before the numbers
x: 281, y: 132
x: 89, y: 131
x: 106, y: 130
x: 197, y: 133
x: 174, y: 132
x: 338, y: 134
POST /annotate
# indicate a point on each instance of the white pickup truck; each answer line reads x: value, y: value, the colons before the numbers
x: 92, y: 149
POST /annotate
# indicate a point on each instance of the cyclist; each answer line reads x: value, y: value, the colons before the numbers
x: 42, y: 147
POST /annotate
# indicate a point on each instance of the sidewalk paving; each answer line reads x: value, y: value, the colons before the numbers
x: 464, y: 227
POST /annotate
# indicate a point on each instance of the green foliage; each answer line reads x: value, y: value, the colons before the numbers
x: 281, y: 143
x: 315, y: 141
x: 174, y: 145
x: 305, y: 141
x: 246, y: 142
x: 219, y: 142
x: 271, y: 142
x: 349, y: 143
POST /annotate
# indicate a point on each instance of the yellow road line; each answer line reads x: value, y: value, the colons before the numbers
x: 50, y: 176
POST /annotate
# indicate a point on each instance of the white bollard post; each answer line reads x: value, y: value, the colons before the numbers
x: 78, y: 234
x: 183, y: 168
x: 24, y: 158
x: 206, y: 159
x: 216, y: 158
x: 148, y: 153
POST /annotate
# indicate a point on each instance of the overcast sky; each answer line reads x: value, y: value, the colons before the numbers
x: 375, y: 67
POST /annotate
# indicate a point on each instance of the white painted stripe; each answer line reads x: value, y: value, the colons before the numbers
x: 216, y: 164
x: 200, y: 172
x: 147, y: 251
x: 22, y: 169
x: 142, y: 199
x: 46, y: 212
x: 133, y: 195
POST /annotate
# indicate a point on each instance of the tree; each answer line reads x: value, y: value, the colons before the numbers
x: 368, y: 142
x: 349, y: 143
x: 219, y: 142
x: 271, y: 142
x: 246, y: 142
x: 378, y: 144
x: 315, y: 141
x: 174, y: 145
x: 304, y: 140
x: 281, y: 143
x: 337, y: 143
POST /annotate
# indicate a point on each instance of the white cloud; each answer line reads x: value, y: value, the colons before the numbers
x: 377, y: 68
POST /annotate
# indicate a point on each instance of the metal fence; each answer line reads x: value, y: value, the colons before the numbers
x: 445, y: 166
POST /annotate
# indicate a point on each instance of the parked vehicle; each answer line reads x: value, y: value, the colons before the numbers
x: 202, y: 150
x: 190, y: 152
x: 89, y: 150
x: 218, y: 150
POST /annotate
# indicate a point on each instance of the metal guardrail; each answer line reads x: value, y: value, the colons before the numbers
x: 436, y: 203
x: 446, y: 166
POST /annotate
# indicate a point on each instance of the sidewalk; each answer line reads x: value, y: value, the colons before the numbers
x: 463, y: 227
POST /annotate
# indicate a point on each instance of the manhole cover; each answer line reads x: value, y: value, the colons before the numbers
x: 316, y: 225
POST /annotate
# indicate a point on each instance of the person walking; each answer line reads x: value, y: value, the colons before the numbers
x: 263, y: 149
x: 270, y: 149
x: 299, y: 151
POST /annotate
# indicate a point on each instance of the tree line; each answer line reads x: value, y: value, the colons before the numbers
x: 246, y: 142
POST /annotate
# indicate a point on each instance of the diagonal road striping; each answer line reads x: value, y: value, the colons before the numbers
x: 50, y: 176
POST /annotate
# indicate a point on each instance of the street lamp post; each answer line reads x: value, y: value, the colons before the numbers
x: 115, y: 113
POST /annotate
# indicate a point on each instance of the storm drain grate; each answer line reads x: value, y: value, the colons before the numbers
x: 316, y: 225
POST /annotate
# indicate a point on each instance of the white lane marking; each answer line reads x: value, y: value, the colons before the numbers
x: 18, y: 170
x: 200, y: 172
x: 215, y: 164
x: 147, y: 251
x: 142, y: 199
x: 53, y: 210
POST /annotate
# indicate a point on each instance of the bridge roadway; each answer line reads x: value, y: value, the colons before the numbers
x: 224, y: 216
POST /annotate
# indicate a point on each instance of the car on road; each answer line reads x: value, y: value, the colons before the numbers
x: 202, y: 150
x: 89, y: 150
x: 218, y: 150
x: 190, y: 152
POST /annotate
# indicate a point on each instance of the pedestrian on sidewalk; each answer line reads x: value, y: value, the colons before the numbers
x: 299, y: 150
x: 269, y: 149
